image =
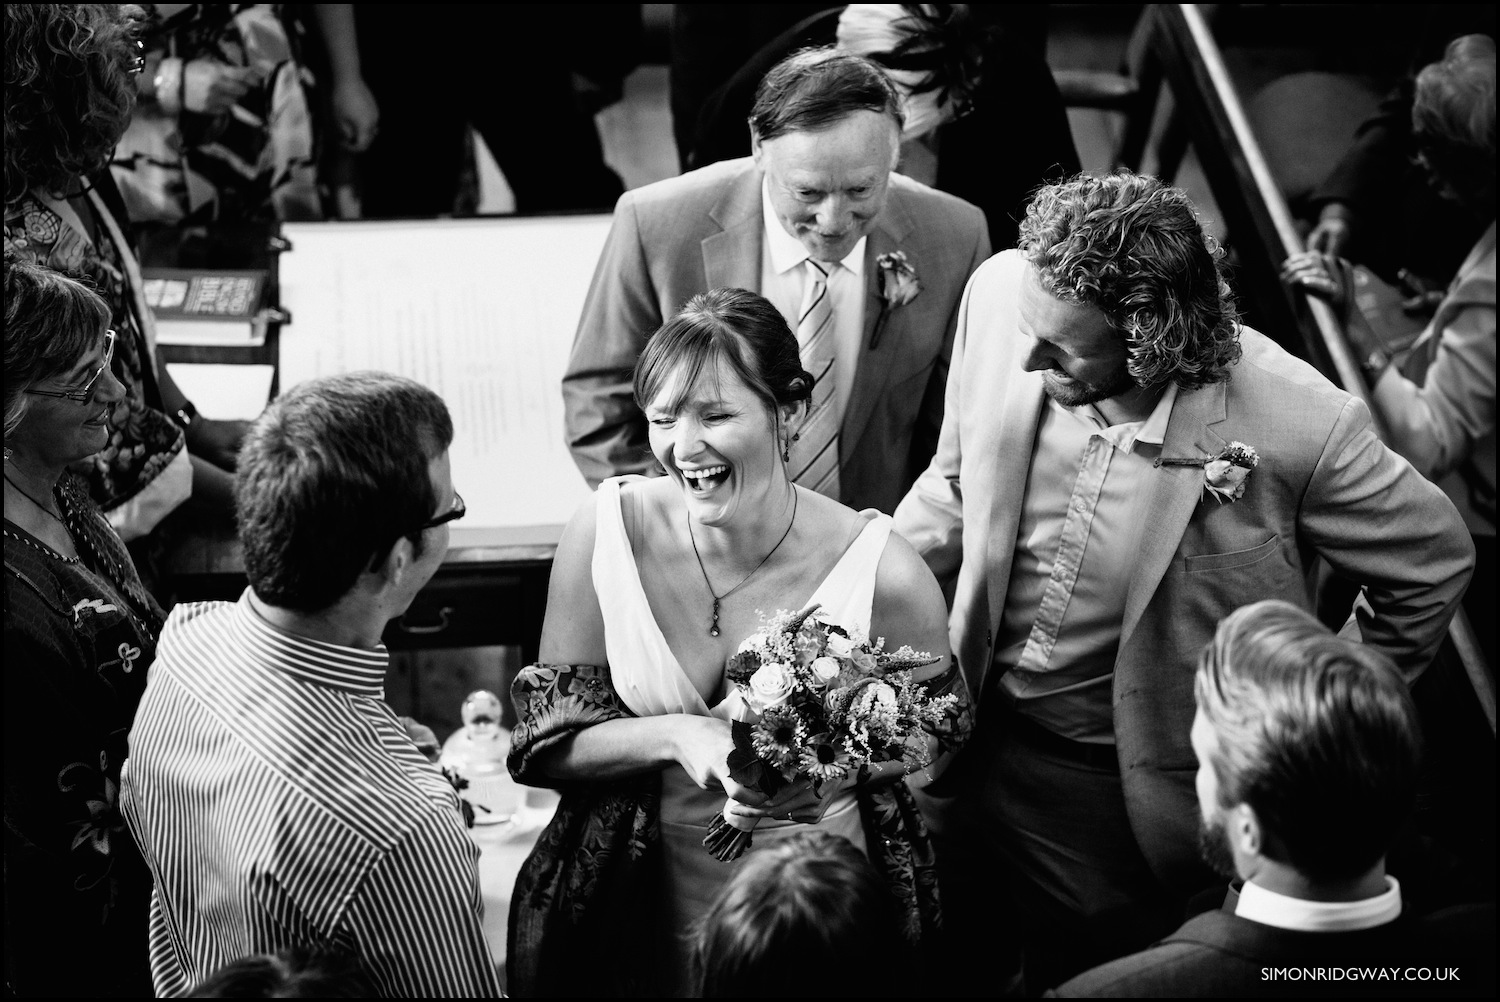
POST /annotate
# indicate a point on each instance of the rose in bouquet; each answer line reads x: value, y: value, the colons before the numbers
x: 817, y: 702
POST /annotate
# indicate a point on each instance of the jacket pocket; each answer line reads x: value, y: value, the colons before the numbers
x: 1234, y: 558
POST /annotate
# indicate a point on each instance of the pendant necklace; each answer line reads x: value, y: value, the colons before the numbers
x: 713, y: 629
x: 45, y: 510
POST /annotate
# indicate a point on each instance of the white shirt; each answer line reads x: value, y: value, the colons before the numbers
x: 784, y: 278
x: 1270, y: 908
x: 1083, y: 517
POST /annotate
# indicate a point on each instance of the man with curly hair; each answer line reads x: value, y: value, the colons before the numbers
x: 1121, y: 464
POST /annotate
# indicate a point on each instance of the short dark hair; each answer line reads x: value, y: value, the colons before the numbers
x: 734, y: 325
x: 809, y: 912
x: 1132, y: 246
x: 51, y: 321
x: 330, y: 477
x: 1316, y: 733
x: 814, y: 88
x: 296, y: 973
x: 69, y: 91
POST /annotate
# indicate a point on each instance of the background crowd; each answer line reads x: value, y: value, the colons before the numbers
x: 881, y: 348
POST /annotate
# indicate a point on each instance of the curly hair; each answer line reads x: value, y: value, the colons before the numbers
x: 69, y: 90
x: 1133, y: 247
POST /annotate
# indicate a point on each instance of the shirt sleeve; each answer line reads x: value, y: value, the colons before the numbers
x: 417, y: 921
x: 1435, y: 425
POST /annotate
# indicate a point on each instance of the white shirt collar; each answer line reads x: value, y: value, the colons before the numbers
x: 1125, y: 437
x: 1270, y: 908
x: 786, y: 250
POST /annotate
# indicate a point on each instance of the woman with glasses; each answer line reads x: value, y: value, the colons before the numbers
x: 80, y: 633
x: 1438, y: 398
x: 70, y: 86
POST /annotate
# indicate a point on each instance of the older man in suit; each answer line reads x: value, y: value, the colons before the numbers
x: 1121, y: 465
x: 1309, y: 754
x: 866, y: 265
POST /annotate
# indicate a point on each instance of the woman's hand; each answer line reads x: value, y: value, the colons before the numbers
x: 1334, y: 231
x: 357, y: 114
x: 210, y: 87
x: 217, y: 441
x: 1331, y: 279
x: 702, y: 746
x: 800, y: 801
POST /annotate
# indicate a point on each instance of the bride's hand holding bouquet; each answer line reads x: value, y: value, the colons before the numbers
x: 816, y: 709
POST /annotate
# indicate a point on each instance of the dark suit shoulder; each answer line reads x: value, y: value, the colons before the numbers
x: 1221, y: 954
x: 1208, y: 955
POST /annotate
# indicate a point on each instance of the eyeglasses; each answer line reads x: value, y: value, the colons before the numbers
x: 457, y: 511
x: 86, y: 394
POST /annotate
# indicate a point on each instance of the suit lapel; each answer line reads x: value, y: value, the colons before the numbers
x: 1020, y: 415
x: 731, y: 257
x: 873, y: 369
x: 1177, y: 492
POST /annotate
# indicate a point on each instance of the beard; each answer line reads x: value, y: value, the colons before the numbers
x: 1077, y: 393
x: 1213, y: 846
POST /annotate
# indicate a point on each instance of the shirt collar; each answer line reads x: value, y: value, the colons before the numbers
x: 1125, y: 437
x: 786, y: 250
x: 356, y: 670
x: 1283, y: 912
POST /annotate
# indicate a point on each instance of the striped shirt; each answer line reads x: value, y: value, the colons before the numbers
x: 279, y: 802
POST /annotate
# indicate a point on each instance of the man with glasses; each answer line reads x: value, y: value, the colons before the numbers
x: 276, y: 797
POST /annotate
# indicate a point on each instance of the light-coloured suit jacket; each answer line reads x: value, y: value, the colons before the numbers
x: 685, y: 235
x: 1325, y: 486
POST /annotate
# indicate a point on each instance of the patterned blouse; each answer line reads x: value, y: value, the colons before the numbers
x: 143, y: 440
x: 257, y: 163
x: 80, y: 634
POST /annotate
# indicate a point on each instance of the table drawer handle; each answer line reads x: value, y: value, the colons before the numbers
x: 444, y: 615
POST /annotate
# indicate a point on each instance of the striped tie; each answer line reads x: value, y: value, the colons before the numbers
x: 815, y: 455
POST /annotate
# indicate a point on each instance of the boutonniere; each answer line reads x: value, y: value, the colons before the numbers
x: 1224, y: 475
x: 899, y: 285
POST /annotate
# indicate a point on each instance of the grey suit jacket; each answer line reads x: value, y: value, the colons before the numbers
x: 685, y: 235
x: 1325, y: 486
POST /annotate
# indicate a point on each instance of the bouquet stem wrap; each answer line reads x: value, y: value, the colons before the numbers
x: 814, y: 702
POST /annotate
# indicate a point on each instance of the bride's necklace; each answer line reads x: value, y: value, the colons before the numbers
x: 713, y: 629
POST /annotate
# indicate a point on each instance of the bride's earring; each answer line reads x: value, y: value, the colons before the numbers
x: 786, y: 450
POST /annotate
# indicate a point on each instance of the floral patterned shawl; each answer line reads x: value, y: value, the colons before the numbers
x: 593, y: 876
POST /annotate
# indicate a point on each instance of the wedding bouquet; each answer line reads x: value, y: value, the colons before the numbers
x: 818, y: 702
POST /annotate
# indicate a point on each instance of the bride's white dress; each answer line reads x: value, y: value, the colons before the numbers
x: 651, y: 682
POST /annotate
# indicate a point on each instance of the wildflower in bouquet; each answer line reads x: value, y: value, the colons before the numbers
x: 819, y: 704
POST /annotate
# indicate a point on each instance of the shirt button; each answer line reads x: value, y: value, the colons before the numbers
x: 1080, y: 505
